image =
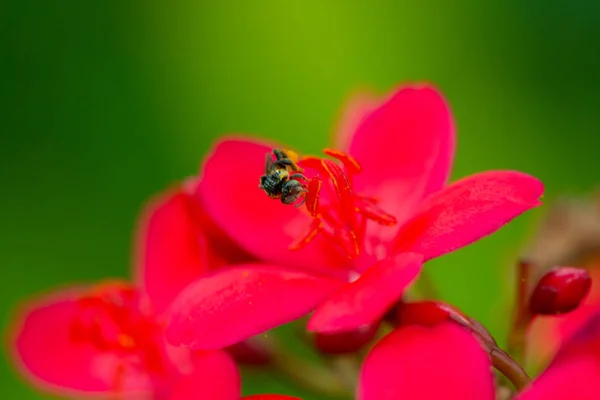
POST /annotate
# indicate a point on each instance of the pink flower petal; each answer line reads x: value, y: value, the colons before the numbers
x: 417, y: 362
x: 46, y: 353
x: 356, y: 109
x: 585, y: 341
x: 547, y: 333
x: 171, y: 249
x: 468, y: 210
x: 222, y: 249
x: 233, y: 304
x: 368, y: 298
x: 406, y: 149
x: 574, y: 371
x: 263, y: 226
x: 576, y: 379
x: 215, y: 377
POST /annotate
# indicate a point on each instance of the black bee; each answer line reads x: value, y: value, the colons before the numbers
x: 281, y: 178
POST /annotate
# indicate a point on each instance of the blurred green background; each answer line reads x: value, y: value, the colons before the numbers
x: 104, y: 103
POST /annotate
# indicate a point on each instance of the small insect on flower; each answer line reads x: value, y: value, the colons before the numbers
x: 283, y: 178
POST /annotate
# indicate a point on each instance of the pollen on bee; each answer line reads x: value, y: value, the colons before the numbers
x: 292, y: 155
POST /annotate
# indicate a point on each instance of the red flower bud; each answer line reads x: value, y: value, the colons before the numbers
x: 249, y: 353
x: 270, y: 397
x: 560, y: 291
x: 345, y: 342
x: 427, y: 313
x: 430, y: 313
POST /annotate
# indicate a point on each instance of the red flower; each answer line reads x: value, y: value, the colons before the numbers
x: 357, y: 263
x: 108, y: 339
x: 445, y: 360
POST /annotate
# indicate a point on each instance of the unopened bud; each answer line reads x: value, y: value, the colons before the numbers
x: 270, y: 397
x: 249, y: 353
x: 428, y: 313
x: 345, y: 342
x: 560, y: 290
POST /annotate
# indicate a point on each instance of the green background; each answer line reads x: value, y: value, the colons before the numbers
x: 104, y: 103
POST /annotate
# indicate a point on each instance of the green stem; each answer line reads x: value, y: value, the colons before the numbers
x: 312, y: 376
x: 347, y: 368
x: 509, y: 368
x: 522, y: 316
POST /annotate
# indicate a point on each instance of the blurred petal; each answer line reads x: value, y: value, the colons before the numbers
x: 368, y: 298
x: 46, y: 353
x: 171, y: 249
x: 406, y: 149
x: 356, y: 109
x: 416, y: 362
x: 576, y: 379
x: 584, y: 341
x: 574, y: 371
x: 263, y: 226
x: 233, y: 304
x: 215, y: 376
x: 468, y: 210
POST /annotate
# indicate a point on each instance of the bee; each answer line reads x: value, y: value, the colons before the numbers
x: 282, y: 178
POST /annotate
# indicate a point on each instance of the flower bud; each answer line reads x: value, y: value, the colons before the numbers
x: 249, y: 353
x: 560, y: 290
x: 270, y: 397
x: 345, y: 342
x: 427, y: 313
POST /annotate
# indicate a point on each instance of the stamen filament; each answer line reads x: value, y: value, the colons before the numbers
x: 314, y: 228
x: 343, y: 218
x: 352, y: 166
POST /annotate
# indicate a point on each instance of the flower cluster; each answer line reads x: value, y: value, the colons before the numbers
x: 219, y: 263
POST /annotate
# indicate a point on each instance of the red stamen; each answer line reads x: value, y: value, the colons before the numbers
x: 328, y: 215
x: 312, y: 197
x: 314, y: 228
x: 352, y: 166
x: 115, y: 318
x: 343, y: 218
x: 372, y: 200
x: 347, y: 238
x: 342, y: 190
x: 374, y: 213
x: 311, y: 162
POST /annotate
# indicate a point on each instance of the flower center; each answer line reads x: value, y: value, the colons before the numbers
x: 340, y: 215
x: 116, y: 318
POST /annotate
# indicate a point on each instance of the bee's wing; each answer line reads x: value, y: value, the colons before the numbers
x: 268, y: 162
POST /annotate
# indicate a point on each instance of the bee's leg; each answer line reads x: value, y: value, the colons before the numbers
x: 302, y: 198
x: 299, y: 176
x: 279, y: 154
x: 283, y: 160
x: 262, y: 182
